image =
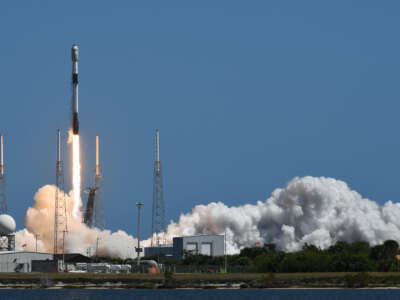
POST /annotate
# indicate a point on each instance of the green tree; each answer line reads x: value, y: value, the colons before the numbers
x: 390, y: 248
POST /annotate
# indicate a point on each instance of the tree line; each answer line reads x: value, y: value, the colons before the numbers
x: 341, y: 257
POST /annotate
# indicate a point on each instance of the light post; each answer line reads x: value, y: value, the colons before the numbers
x: 138, y: 249
x: 97, y: 249
x: 226, y: 258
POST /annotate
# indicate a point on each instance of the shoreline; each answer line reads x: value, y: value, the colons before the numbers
x: 275, y: 281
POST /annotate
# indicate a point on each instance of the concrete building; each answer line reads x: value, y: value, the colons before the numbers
x: 167, y: 251
x: 212, y: 245
x: 21, y: 261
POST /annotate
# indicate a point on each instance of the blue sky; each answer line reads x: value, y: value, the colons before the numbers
x: 246, y: 94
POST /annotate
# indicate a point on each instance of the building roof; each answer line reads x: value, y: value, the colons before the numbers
x: 73, y: 257
x: 27, y: 252
x: 161, y: 246
x: 198, y: 235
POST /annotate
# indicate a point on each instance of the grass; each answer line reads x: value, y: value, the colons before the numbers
x: 206, y: 280
x: 186, y: 276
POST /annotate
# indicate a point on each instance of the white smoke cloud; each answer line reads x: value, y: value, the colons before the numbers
x: 319, y: 211
x: 39, y: 220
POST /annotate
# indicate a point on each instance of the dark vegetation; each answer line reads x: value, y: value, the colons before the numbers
x: 341, y: 257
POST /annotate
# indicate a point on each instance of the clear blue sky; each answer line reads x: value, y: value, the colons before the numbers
x: 246, y: 94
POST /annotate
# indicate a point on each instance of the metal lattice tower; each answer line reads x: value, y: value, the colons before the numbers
x: 158, y: 228
x: 99, y: 219
x: 94, y: 212
x: 60, y: 208
x: 3, y: 194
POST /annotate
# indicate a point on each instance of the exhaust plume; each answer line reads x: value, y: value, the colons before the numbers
x: 39, y: 219
x: 319, y: 211
x: 76, y: 175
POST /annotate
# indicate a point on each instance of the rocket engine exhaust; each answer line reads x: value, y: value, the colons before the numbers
x: 76, y: 166
x: 75, y: 59
x: 75, y: 123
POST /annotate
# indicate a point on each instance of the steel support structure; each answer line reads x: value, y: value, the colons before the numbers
x: 60, y: 208
x: 94, y: 212
x: 158, y: 227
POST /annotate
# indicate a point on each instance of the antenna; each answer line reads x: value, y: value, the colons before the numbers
x: 97, y: 156
x: 3, y: 194
x: 157, y: 146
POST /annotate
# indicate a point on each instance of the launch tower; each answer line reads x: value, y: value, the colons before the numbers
x: 60, y: 209
x: 3, y: 194
x: 158, y: 228
x: 99, y: 220
x: 94, y: 212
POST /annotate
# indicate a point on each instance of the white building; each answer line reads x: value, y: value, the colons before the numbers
x: 208, y: 244
x: 20, y: 261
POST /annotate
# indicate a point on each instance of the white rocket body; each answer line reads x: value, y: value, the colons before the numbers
x: 75, y: 59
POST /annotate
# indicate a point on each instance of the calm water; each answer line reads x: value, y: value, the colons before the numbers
x: 200, y: 294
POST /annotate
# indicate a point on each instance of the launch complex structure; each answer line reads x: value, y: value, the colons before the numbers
x: 60, y: 207
x: 94, y: 212
x: 93, y: 215
x: 158, y: 228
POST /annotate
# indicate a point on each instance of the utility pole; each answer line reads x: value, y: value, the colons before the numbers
x: 97, y: 248
x: 226, y: 258
x: 36, y: 236
x: 138, y: 249
x: 89, y: 251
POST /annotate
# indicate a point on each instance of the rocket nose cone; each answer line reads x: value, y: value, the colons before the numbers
x: 75, y: 52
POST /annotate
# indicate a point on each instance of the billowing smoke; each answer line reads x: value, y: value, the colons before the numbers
x: 39, y: 220
x: 319, y: 211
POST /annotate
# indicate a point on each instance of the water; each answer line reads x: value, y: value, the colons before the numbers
x: 291, y: 294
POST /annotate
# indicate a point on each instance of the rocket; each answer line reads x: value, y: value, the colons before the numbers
x: 75, y: 59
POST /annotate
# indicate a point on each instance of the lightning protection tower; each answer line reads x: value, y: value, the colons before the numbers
x: 3, y: 194
x: 99, y: 219
x: 94, y: 212
x: 60, y: 208
x: 158, y: 228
